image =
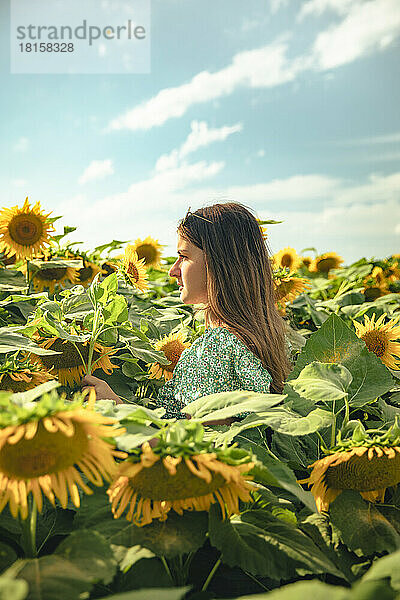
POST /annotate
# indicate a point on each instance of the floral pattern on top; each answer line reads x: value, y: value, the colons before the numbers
x: 218, y: 361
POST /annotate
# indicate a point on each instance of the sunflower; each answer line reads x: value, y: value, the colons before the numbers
x: 375, y: 285
x: 24, y: 231
x: 325, y: 262
x: 379, y: 338
x: 149, y: 250
x: 287, y: 257
x: 134, y: 269
x: 180, y: 475
x: 362, y: 463
x: 289, y: 287
x: 87, y: 273
x: 51, y: 277
x: 108, y: 267
x: 306, y: 261
x: 172, y: 345
x: 19, y: 376
x: 68, y: 366
x: 43, y: 450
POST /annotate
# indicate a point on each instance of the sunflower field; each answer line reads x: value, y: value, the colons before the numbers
x: 100, y: 499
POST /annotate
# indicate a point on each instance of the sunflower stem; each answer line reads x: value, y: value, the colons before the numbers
x: 164, y: 562
x: 333, y: 429
x: 28, y: 279
x: 347, y: 412
x: 92, y: 341
x: 211, y: 575
x: 80, y: 354
x: 28, y: 527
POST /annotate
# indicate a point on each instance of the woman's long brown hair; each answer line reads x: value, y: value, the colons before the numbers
x: 240, y: 285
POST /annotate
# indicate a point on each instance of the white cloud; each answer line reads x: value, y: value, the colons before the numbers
x: 200, y: 136
x: 368, y: 27
x: 21, y: 145
x: 352, y: 231
x: 261, y: 68
x: 317, y: 7
x: 353, y: 220
x: 276, y: 5
x: 98, y: 169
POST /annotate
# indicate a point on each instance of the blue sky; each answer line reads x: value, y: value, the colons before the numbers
x: 290, y: 107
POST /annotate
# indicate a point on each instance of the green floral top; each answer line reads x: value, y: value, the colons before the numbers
x: 218, y: 361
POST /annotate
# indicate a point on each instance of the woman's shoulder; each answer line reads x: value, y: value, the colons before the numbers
x: 225, y: 339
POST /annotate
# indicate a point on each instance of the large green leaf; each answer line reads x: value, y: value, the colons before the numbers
x: 34, y: 393
x: 51, y: 577
x: 151, y: 594
x: 282, y: 420
x: 273, y: 472
x: 11, y: 341
x: 335, y: 342
x: 228, y: 404
x: 303, y: 589
x: 261, y: 544
x: 386, y: 567
x: 322, y: 382
x: 88, y: 550
x: 13, y: 589
x: 362, y: 526
x: 177, y: 535
x: 7, y: 556
x: 127, y: 557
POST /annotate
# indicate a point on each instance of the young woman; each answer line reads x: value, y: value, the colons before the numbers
x: 223, y: 264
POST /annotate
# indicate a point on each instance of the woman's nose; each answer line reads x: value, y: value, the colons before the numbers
x: 174, y: 270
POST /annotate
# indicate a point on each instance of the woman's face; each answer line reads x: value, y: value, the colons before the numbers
x: 190, y: 271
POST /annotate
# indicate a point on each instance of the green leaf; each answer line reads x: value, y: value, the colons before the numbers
x: 362, y: 526
x: 322, y: 382
x: 116, y: 311
x: 34, y: 393
x: 126, y: 557
x: 273, y: 472
x: 109, y: 287
x: 261, y: 544
x: 145, y: 351
x: 13, y: 589
x: 89, y: 550
x: 281, y: 420
x: 7, y: 557
x: 177, y: 535
x: 386, y: 568
x: 303, y: 589
x: 10, y: 341
x: 151, y: 594
x: 335, y: 342
x: 228, y: 404
x: 52, y: 577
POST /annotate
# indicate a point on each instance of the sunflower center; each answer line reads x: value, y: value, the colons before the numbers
x: 148, y: 252
x: 287, y: 260
x: 25, y: 229
x: 326, y: 264
x: 132, y: 271
x: 85, y: 273
x: 172, y: 351
x: 360, y: 473
x: 70, y: 356
x: 372, y: 293
x: 376, y: 341
x: 45, y: 453
x: 51, y: 274
x: 157, y: 483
